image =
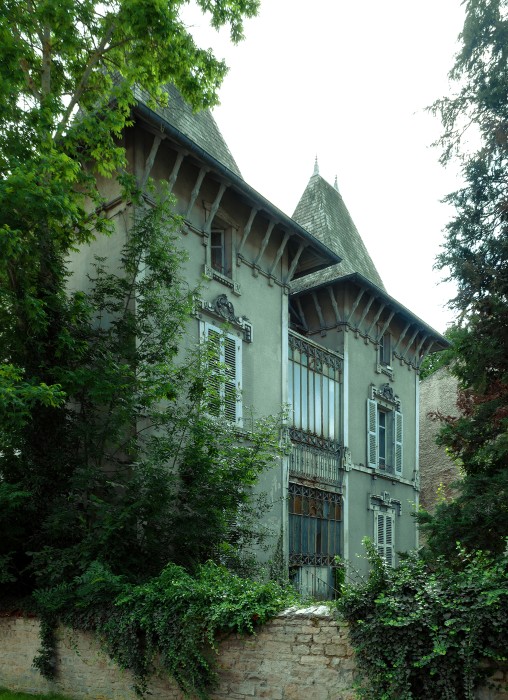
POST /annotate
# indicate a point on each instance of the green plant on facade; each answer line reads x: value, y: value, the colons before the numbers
x: 425, y: 632
x: 174, y: 618
x: 110, y: 461
x: 68, y: 72
x: 156, y: 478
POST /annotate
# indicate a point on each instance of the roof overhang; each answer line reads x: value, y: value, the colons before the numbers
x: 439, y: 341
x: 313, y: 255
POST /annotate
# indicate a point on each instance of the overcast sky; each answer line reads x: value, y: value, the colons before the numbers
x: 348, y: 81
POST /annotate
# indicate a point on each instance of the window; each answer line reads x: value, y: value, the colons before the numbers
x: 220, y: 251
x: 313, y: 388
x: 385, y: 350
x: 384, y: 536
x: 384, y: 438
x: 381, y: 434
x: 226, y: 363
x: 314, y: 525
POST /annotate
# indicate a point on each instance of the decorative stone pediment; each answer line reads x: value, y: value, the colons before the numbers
x: 384, y: 501
x: 385, y: 395
x: 223, y: 309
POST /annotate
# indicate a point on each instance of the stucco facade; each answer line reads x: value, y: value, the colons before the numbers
x: 312, y: 327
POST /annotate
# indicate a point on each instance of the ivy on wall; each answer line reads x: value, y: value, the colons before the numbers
x: 425, y: 632
x: 174, y: 617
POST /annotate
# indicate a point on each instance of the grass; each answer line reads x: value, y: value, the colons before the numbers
x: 11, y: 695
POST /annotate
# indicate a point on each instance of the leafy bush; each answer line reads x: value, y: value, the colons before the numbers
x: 174, y: 617
x: 421, y: 632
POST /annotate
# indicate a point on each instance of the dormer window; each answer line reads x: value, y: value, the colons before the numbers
x: 220, y: 252
x: 385, y: 350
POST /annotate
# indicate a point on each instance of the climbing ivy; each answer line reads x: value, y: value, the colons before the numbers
x: 422, y: 632
x: 174, y: 617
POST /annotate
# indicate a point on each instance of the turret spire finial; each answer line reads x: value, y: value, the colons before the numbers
x: 316, y: 167
x: 336, y: 184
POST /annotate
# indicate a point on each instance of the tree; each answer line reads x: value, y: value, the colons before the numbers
x: 143, y: 464
x: 68, y: 70
x: 475, y: 252
x: 434, y: 361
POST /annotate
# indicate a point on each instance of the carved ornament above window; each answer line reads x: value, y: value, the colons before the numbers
x: 384, y: 500
x: 385, y: 395
x: 224, y: 309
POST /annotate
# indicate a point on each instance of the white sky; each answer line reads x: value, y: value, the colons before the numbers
x: 348, y: 81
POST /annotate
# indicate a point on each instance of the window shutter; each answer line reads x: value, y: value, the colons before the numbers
x: 379, y: 535
x: 212, y: 335
x: 371, y: 433
x: 384, y: 536
x: 398, y: 441
x: 389, y: 543
x: 233, y: 381
x: 226, y: 379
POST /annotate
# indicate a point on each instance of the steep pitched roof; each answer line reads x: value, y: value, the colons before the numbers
x: 199, y: 127
x: 321, y: 210
x: 199, y: 135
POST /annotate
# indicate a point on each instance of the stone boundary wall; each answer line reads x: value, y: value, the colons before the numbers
x: 300, y: 655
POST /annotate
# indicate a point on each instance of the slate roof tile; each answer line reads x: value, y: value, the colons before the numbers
x: 200, y: 127
x: 321, y: 210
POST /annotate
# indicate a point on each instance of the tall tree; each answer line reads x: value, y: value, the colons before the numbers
x: 67, y: 72
x: 475, y: 252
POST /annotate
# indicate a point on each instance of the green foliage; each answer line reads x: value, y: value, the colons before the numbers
x: 173, y: 618
x: 45, y: 661
x: 475, y: 254
x: 11, y: 695
x: 422, y: 632
x: 445, y: 358
x: 111, y: 465
x: 68, y: 70
x: 141, y: 465
x: 147, y: 477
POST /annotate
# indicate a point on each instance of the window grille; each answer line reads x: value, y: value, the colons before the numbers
x: 314, y: 525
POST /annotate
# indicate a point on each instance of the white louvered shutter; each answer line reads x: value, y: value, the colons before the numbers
x: 379, y: 535
x: 372, y: 433
x: 384, y: 536
x: 226, y: 377
x: 389, y: 537
x: 398, y: 441
x: 213, y: 336
x: 233, y: 379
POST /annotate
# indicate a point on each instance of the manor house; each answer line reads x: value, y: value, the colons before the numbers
x: 309, y: 325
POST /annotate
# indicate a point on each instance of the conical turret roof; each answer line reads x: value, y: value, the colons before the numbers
x: 322, y: 212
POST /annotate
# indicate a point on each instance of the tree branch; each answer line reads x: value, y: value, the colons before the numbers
x: 92, y: 62
x: 46, y: 62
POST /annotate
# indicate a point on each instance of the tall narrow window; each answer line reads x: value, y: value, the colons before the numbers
x: 385, y: 350
x: 226, y: 364
x: 314, y: 376
x: 314, y: 525
x: 381, y: 432
x: 218, y: 251
x: 384, y: 438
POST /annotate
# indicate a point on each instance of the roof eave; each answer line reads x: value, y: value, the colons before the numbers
x: 317, y: 257
x: 360, y: 280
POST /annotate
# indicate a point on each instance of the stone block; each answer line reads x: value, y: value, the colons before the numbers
x: 314, y: 660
